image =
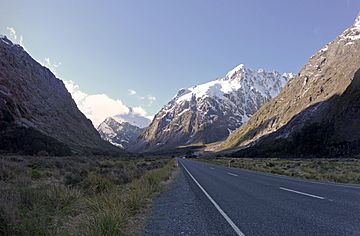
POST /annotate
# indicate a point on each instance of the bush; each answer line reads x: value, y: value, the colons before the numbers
x: 97, y: 184
x: 109, y: 223
x: 71, y: 179
x: 43, y: 153
x: 35, y: 174
x: 91, y: 199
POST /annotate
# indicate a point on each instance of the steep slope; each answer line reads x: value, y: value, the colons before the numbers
x: 317, y: 112
x: 36, y: 111
x: 123, y: 130
x: 210, y: 112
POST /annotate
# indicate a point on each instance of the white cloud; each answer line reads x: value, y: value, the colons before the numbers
x: 21, y: 41
x: 151, y: 99
x: 14, y: 37
x: 150, y: 117
x: 98, y: 107
x: 12, y: 33
x: 131, y: 92
x: 139, y: 111
x: 47, y: 62
x: 53, y: 66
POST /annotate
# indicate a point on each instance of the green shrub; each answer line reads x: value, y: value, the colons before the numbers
x: 71, y: 179
x: 35, y: 174
x: 97, y: 184
x: 108, y: 223
x: 72, y: 202
x: 135, y: 199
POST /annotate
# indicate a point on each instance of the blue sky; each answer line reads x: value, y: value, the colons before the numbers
x: 157, y: 47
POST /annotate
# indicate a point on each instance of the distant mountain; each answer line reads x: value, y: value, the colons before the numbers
x: 37, y: 113
x: 318, y: 111
x: 123, y: 130
x: 133, y: 118
x: 210, y: 112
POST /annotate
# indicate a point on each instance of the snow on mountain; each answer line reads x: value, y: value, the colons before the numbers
x: 122, y: 130
x: 233, y: 81
x: 352, y: 33
x: 209, y: 112
x: 133, y: 119
x: 316, y: 114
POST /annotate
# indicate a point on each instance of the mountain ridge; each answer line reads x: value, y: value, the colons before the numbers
x: 209, y: 112
x: 303, y: 104
x: 37, y: 113
x: 123, y: 130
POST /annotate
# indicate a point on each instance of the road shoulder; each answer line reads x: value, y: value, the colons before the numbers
x: 175, y: 211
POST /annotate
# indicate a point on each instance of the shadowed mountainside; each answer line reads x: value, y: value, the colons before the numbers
x: 313, y: 104
x: 331, y: 129
x: 37, y: 113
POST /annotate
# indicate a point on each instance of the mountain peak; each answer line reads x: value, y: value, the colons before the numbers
x: 133, y: 119
x: 319, y: 100
x: 356, y: 24
x: 5, y: 39
x: 357, y: 20
x: 209, y: 112
x: 352, y: 33
x: 119, y: 131
x: 235, y: 71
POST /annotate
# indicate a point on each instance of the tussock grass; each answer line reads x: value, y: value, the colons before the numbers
x: 76, y: 195
x: 333, y: 170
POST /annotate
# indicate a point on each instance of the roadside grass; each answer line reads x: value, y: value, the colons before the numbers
x: 333, y: 170
x: 76, y: 195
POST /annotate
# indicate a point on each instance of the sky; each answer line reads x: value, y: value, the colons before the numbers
x: 138, y: 53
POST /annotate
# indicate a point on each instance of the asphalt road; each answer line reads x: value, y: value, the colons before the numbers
x: 240, y: 202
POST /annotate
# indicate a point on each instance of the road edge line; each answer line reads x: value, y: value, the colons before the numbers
x: 227, y: 218
x: 229, y: 173
x: 302, y: 193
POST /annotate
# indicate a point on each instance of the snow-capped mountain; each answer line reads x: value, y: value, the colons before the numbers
x: 133, y: 118
x: 122, y: 130
x: 317, y: 113
x: 210, y: 112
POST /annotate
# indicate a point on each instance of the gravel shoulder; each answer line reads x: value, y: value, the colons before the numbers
x: 184, y: 210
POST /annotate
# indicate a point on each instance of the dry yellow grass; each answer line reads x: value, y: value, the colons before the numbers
x: 334, y: 170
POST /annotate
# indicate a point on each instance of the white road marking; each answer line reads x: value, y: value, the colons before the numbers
x: 306, y: 194
x: 232, y: 174
x: 212, y: 168
x: 231, y: 223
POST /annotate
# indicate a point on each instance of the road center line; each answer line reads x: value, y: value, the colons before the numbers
x: 231, y: 223
x: 232, y: 174
x: 306, y: 194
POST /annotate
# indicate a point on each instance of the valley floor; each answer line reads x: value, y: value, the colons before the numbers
x: 332, y: 170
